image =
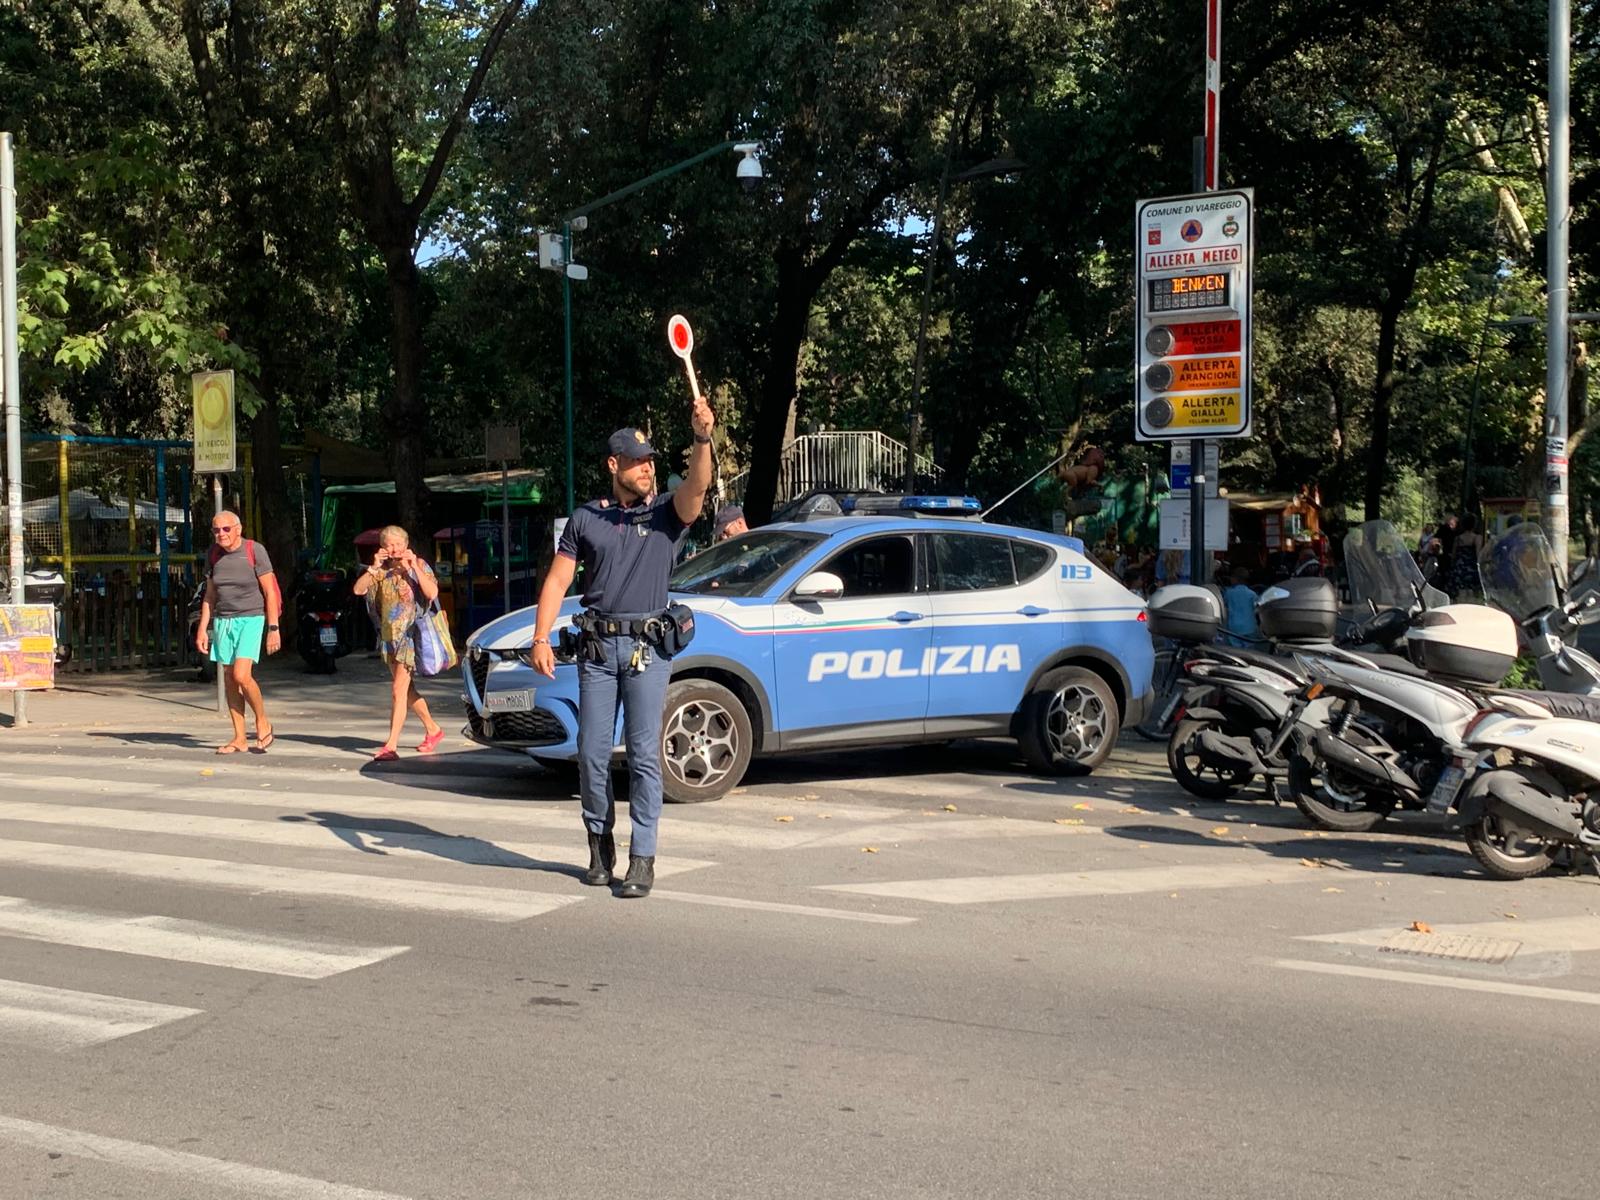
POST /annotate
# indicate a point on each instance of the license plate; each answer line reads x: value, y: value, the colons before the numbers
x: 1444, y: 792
x: 329, y: 635
x: 503, y: 702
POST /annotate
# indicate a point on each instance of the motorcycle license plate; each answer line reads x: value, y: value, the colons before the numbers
x: 1444, y: 792
x: 329, y: 636
x: 503, y: 702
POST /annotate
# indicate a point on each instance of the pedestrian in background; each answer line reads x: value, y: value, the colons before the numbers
x: 1239, y: 608
x: 729, y: 523
x: 238, y: 619
x: 1464, y: 579
x: 393, y: 585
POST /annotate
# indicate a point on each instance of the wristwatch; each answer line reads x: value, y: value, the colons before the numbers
x: 272, y: 629
x: 701, y: 441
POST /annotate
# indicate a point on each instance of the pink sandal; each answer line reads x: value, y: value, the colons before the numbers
x: 385, y: 754
x: 430, y: 743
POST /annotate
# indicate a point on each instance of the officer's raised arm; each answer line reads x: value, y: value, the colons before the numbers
x: 690, y: 497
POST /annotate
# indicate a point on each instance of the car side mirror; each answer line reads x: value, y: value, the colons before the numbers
x: 819, y: 585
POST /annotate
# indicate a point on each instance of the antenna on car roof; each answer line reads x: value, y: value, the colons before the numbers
x: 984, y: 515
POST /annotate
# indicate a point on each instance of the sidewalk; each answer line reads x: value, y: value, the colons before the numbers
x: 354, y: 703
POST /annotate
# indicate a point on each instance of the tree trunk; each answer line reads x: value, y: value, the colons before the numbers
x: 1382, y: 406
x: 275, y: 520
x: 404, y: 410
x: 779, y: 381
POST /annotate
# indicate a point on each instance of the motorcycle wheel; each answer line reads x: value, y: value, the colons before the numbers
x: 1192, y: 773
x: 1164, y: 679
x: 1506, y: 852
x: 1328, y: 798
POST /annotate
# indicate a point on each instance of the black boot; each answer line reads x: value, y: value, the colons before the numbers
x: 602, y: 858
x: 641, y: 877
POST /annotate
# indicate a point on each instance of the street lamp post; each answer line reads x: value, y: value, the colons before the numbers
x: 555, y: 253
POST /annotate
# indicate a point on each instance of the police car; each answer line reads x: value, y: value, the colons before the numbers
x: 903, y: 622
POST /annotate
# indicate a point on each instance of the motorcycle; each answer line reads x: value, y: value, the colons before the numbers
x: 322, y: 601
x: 1524, y: 792
x: 1520, y: 575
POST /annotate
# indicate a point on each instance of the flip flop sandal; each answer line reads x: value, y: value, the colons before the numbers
x: 230, y: 748
x: 385, y: 755
x: 430, y: 743
x: 263, y: 744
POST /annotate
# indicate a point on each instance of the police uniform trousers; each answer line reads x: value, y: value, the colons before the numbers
x: 642, y: 695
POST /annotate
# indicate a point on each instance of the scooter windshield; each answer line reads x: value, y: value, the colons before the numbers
x: 1516, y: 571
x: 1381, y: 569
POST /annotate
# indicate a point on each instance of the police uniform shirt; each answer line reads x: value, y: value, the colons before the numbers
x: 627, y: 553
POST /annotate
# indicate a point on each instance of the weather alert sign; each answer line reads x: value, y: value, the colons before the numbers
x: 1192, y: 308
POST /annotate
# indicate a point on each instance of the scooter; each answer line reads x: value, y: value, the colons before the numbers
x: 1520, y: 575
x: 1524, y: 792
x: 323, y: 601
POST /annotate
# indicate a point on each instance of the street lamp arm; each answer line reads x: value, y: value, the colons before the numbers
x: 641, y: 184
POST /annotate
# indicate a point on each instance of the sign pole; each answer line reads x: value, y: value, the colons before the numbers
x: 505, y: 530
x: 11, y: 386
x: 1205, y: 180
x: 1557, y: 349
x: 222, y: 683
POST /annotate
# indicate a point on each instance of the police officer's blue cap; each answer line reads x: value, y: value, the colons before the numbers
x: 630, y: 443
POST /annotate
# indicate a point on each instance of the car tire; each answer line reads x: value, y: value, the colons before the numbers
x: 1068, y: 723
x: 706, y: 741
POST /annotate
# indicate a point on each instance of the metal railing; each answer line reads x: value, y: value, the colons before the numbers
x: 851, y: 461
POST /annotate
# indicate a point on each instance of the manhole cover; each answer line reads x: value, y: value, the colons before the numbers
x: 1458, y: 947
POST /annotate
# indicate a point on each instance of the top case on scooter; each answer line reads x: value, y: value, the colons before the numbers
x: 1185, y: 613
x: 1464, y: 641
x: 1299, y: 611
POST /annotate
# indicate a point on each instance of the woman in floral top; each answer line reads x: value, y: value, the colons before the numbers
x: 392, y: 586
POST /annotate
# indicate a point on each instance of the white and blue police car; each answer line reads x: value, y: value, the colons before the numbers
x: 902, y: 622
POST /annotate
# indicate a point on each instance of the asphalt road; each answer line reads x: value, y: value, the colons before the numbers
x: 905, y: 974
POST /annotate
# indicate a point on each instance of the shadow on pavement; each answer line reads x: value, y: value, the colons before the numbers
x: 371, y: 835
x: 1440, y: 854
x: 184, y: 741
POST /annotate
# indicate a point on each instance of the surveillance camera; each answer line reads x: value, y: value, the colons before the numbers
x: 749, y: 171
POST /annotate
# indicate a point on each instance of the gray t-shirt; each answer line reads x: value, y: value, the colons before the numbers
x: 238, y: 589
x: 627, y: 553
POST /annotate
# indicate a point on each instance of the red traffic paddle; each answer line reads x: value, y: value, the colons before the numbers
x: 681, y: 338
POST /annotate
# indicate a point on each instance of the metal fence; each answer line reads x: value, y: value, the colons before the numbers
x: 847, y: 462
x: 127, y: 525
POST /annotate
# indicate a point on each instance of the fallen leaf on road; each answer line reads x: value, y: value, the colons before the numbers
x: 1133, y: 808
x: 1511, y: 916
x: 1084, y: 807
x: 1335, y: 891
x: 738, y: 791
x: 869, y: 849
x: 824, y: 816
x: 1172, y: 895
x: 207, y: 771
x: 1421, y: 927
x: 1312, y: 862
x: 783, y: 818
x: 1144, y: 845
x: 950, y: 808
x: 1309, y: 833
x: 1069, y: 820
x: 1219, y: 831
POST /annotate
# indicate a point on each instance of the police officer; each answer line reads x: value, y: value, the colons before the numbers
x: 627, y: 544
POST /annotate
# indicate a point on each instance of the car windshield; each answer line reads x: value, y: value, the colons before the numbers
x: 744, y: 565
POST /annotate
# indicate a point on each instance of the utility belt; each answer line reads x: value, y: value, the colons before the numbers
x: 665, y: 633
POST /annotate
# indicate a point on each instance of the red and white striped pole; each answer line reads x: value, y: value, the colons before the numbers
x: 1213, y: 92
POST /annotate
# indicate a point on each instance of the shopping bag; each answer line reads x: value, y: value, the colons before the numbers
x: 436, y: 652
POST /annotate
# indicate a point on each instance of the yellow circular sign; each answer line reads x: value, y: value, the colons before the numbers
x: 213, y: 405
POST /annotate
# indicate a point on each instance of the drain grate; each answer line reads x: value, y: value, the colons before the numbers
x: 1458, y: 947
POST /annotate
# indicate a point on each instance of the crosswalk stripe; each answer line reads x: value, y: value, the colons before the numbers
x: 797, y: 910
x: 313, y: 834
x: 212, y: 1176
x: 51, y: 1018
x: 985, y: 889
x: 1457, y: 982
x: 383, y: 891
x: 184, y: 941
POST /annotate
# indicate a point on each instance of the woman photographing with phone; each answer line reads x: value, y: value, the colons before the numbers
x: 392, y: 586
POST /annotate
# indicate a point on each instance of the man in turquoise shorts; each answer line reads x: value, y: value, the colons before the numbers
x: 242, y: 603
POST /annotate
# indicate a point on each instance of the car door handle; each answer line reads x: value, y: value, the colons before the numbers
x: 1031, y: 611
x: 906, y: 618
